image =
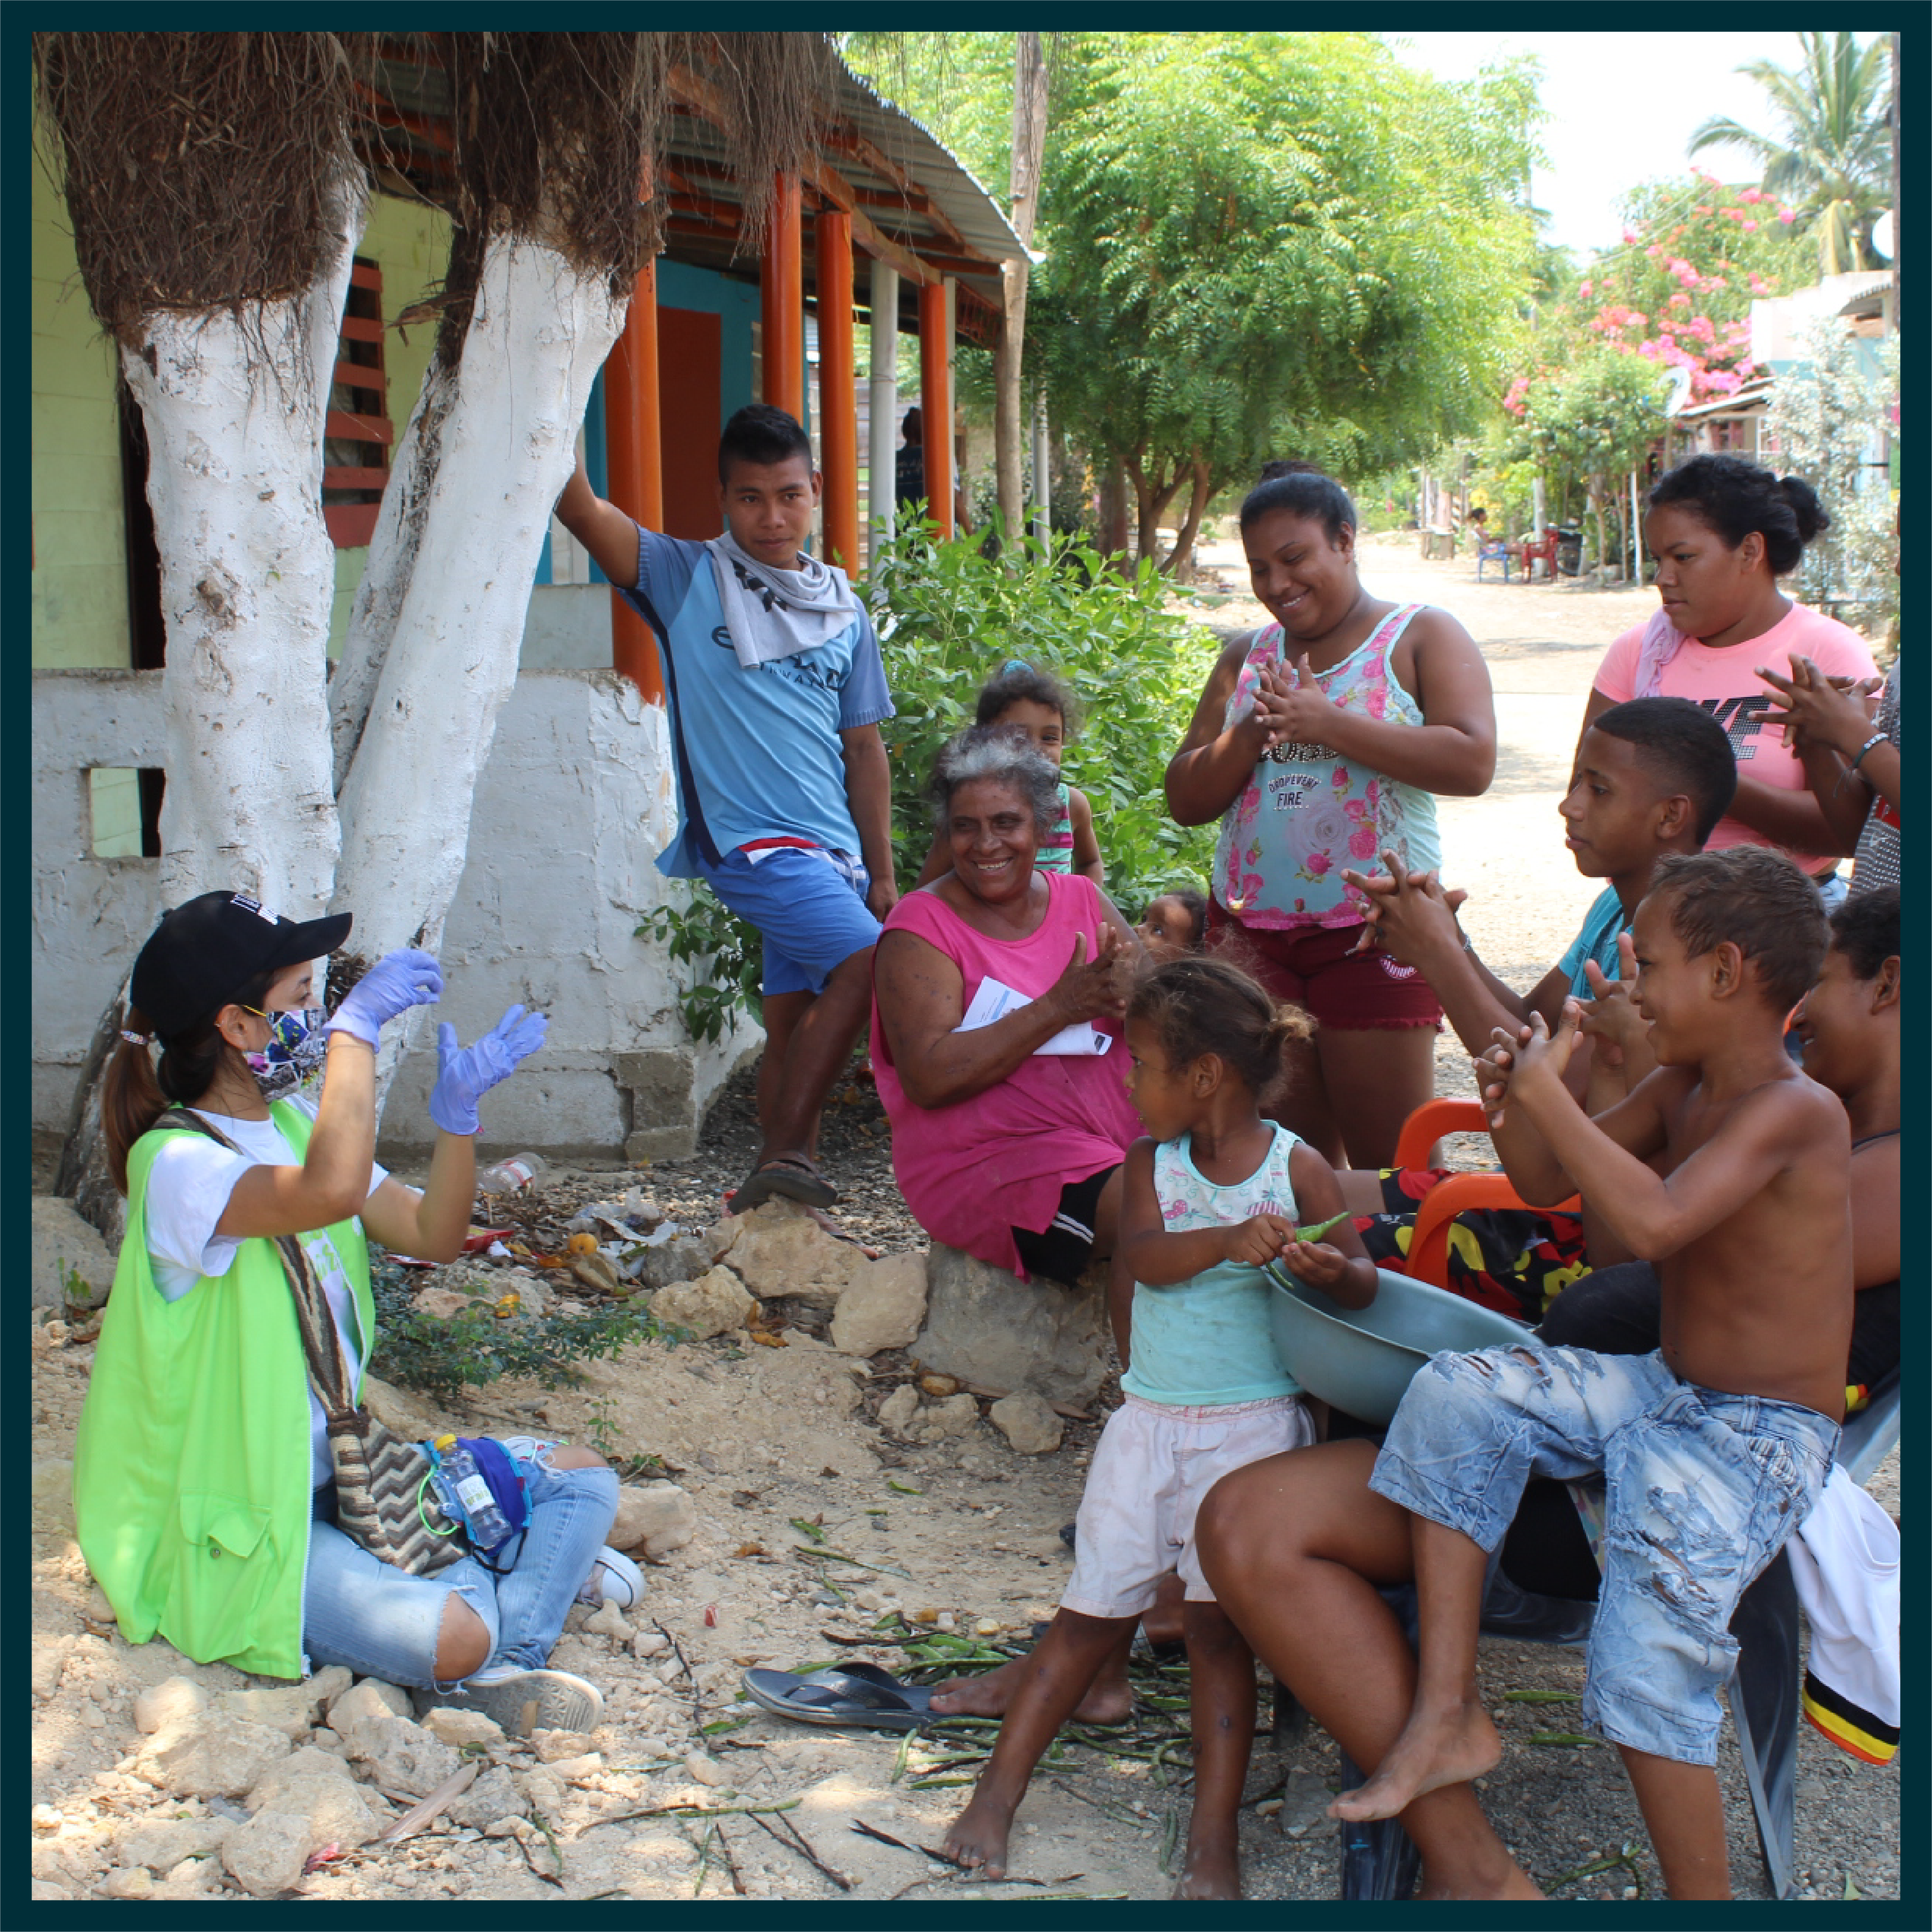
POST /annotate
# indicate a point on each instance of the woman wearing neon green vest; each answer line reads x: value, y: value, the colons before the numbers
x: 202, y: 1488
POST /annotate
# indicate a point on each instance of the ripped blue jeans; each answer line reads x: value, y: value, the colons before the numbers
x: 383, y: 1623
x: 1701, y: 1489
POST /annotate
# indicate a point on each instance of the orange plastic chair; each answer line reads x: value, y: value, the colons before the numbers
x: 1436, y: 1212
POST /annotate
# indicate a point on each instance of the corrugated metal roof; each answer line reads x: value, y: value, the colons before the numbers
x: 978, y: 216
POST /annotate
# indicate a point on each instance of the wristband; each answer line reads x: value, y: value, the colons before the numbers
x: 1876, y: 738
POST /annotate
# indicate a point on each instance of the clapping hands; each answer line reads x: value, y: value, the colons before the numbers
x: 1291, y: 706
x: 1410, y: 915
x: 1096, y: 988
x: 1533, y: 1054
x: 1818, y: 710
x: 1610, y: 1015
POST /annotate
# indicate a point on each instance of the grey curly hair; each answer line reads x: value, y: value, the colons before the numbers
x: 985, y: 753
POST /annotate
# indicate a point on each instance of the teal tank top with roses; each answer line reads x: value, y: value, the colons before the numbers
x: 1306, y: 812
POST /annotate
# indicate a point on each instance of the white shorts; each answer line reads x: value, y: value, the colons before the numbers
x: 1152, y: 1467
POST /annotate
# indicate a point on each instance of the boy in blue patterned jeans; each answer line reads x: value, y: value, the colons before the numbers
x: 1714, y: 1449
x: 775, y: 693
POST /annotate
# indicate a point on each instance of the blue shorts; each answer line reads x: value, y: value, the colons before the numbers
x: 808, y: 901
x: 1701, y: 1491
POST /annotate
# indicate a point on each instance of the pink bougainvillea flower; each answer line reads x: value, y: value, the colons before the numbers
x: 1681, y: 300
x: 1787, y: 216
x: 1750, y: 228
x: 1629, y: 237
x: 1751, y: 194
x: 1583, y: 290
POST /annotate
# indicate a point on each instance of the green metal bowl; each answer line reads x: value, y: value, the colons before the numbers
x: 1359, y: 1359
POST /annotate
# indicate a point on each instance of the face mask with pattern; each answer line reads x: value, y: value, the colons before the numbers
x: 295, y: 1053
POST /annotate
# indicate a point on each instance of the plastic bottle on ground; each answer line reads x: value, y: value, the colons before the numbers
x: 512, y: 1175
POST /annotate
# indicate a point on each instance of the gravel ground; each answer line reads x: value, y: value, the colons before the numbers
x: 761, y: 1437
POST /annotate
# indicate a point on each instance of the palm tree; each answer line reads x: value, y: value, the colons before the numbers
x: 1833, y: 163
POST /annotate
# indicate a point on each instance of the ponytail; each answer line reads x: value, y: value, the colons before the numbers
x: 131, y: 1098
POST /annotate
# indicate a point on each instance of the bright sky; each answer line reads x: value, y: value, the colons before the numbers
x: 1622, y: 108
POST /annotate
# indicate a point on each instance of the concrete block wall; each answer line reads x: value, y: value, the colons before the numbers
x: 571, y: 808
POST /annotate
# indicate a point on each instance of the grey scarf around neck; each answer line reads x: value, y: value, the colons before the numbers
x: 774, y: 613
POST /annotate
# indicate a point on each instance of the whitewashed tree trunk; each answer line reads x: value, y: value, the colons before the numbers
x: 465, y: 554
x: 234, y: 402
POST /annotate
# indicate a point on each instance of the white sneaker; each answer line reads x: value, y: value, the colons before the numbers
x: 530, y: 1449
x: 614, y: 1578
x: 522, y: 1701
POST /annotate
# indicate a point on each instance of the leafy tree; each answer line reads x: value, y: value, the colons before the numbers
x: 1590, y: 425
x: 1828, y: 415
x: 1831, y: 158
x: 1273, y: 243
x: 956, y: 616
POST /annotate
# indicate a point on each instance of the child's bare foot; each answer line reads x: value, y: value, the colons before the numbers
x: 1109, y: 1700
x: 1213, y: 1870
x: 978, y: 1836
x: 1446, y: 1746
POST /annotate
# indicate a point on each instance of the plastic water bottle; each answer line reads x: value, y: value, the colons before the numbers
x: 466, y: 1494
x: 512, y: 1175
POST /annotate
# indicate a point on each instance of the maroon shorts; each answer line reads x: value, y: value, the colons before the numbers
x: 1312, y: 966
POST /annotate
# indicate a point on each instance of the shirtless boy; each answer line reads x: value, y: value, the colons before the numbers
x: 1715, y: 1448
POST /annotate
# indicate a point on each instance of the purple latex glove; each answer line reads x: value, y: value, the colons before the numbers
x: 398, y: 981
x: 465, y: 1074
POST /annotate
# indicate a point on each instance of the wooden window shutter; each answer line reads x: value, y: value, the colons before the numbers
x: 358, y: 436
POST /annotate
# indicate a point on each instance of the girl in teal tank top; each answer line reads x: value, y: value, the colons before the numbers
x: 1215, y: 1192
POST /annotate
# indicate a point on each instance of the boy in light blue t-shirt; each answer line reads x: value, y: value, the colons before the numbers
x: 775, y: 691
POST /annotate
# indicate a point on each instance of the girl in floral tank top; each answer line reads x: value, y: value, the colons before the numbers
x: 1320, y: 744
x: 1306, y: 812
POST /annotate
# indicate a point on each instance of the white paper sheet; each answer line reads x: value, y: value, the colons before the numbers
x: 995, y: 1000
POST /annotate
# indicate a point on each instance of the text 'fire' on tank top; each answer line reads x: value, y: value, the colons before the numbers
x: 1306, y: 812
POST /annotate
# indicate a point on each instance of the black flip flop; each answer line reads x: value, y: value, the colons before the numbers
x: 856, y: 1693
x: 793, y: 1179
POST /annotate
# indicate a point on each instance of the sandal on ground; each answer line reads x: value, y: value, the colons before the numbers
x: 849, y: 1694
x: 790, y: 1177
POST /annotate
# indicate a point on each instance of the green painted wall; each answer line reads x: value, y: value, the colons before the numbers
x: 79, y: 600
x: 410, y: 242
x: 80, y: 592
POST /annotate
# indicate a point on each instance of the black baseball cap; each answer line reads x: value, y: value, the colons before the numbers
x: 204, y: 953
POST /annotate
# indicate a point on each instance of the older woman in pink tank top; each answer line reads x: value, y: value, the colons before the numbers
x: 998, y: 993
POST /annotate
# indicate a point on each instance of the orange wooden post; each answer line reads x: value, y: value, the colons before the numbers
x: 935, y: 404
x: 838, y: 396
x: 634, y: 461
x: 781, y: 284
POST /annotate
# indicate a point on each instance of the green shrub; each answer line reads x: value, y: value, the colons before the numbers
x: 443, y: 1355
x: 723, y: 957
x: 950, y: 618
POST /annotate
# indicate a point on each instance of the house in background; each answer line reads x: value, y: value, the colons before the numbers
x: 886, y: 227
